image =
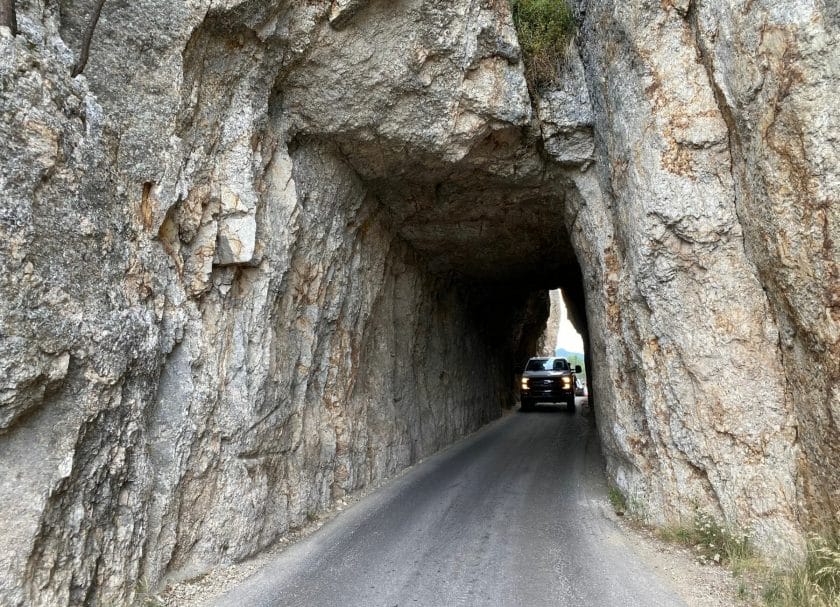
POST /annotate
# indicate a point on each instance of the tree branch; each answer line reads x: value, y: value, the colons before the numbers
x: 7, y: 15
x: 83, y: 55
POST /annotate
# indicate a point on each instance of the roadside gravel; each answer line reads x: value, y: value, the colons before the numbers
x: 697, y: 584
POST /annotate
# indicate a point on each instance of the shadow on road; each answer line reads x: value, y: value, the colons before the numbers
x: 582, y: 402
x: 547, y: 408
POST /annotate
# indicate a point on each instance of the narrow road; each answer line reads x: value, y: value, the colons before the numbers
x: 512, y: 515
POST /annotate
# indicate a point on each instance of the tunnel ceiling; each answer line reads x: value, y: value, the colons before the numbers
x: 497, y: 215
x: 489, y: 218
x: 456, y: 154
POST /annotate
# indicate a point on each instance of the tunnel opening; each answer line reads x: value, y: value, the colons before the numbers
x: 402, y: 243
x: 467, y: 192
x: 561, y: 337
x: 539, y: 322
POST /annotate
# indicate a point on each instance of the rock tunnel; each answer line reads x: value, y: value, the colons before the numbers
x: 264, y: 254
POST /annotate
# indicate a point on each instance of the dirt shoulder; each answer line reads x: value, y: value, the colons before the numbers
x: 697, y: 584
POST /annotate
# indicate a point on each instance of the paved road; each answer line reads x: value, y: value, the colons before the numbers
x: 512, y: 515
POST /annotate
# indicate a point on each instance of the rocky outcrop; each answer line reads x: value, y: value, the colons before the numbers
x: 774, y: 70
x: 548, y: 339
x: 212, y: 324
x: 700, y: 235
x: 259, y: 255
x: 700, y: 417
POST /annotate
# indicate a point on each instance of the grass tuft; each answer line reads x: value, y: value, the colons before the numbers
x: 815, y: 583
x: 544, y: 28
x: 720, y: 544
x: 617, y: 500
x: 713, y: 543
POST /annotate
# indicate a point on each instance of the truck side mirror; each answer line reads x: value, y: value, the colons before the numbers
x: 578, y: 369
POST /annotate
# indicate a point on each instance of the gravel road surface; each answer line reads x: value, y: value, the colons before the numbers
x: 513, y: 515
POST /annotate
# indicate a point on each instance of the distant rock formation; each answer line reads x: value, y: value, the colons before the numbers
x: 548, y: 339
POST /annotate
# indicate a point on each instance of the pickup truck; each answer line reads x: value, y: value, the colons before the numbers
x: 548, y: 380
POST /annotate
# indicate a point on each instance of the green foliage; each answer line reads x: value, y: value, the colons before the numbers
x: 815, y: 583
x: 544, y: 28
x: 713, y: 542
x: 617, y: 499
x: 576, y: 359
x: 719, y: 544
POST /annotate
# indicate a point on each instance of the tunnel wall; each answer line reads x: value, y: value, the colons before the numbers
x: 211, y: 330
x: 779, y: 102
x: 711, y: 210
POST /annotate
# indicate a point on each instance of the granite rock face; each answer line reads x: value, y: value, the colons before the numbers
x: 709, y: 236
x: 259, y: 255
x: 775, y: 69
x: 212, y: 326
x: 699, y: 416
x: 548, y: 339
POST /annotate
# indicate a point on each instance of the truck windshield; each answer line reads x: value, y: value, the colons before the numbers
x: 537, y: 364
x: 547, y: 364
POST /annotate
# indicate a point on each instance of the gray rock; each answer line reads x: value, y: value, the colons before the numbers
x: 548, y: 339
x: 343, y: 10
x: 775, y: 69
x: 211, y: 325
x: 565, y: 114
x: 704, y: 405
x: 259, y: 256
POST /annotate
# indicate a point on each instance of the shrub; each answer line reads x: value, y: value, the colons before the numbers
x: 544, y: 28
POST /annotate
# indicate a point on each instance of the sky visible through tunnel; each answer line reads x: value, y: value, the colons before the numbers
x: 567, y: 337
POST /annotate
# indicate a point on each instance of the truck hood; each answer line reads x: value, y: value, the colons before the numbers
x: 546, y: 373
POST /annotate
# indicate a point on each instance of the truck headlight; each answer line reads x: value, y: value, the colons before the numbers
x: 567, y: 382
x: 524, y: 383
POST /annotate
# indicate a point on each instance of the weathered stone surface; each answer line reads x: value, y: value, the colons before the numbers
x: 565, y: 114
x: 343, y: 10
x: 28, y: 374
x: 548, y: 339
x: 704, y: 399
x: 213, y: 326
x: 237, y: 239
x: 699, y: 415
x: 259, y: 255
x: 775, y: 69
